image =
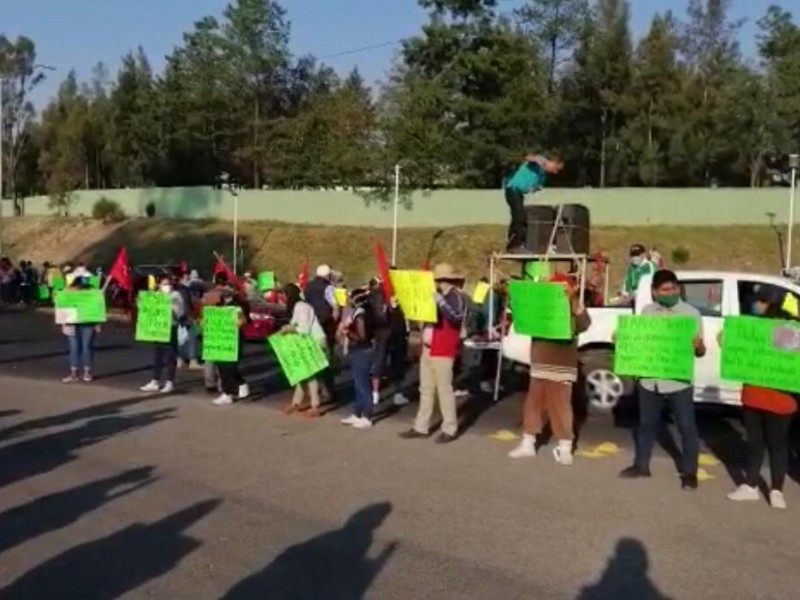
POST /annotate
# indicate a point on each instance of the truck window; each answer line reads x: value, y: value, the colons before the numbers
x: 705, y: 296
x: 747, y: 293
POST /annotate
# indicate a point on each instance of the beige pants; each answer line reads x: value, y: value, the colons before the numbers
x: 310, y: 386
x: 551, y: 399
x: 436, y: 380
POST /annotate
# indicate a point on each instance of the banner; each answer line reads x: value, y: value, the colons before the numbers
x: 655, y: 347
x: 541, y: 310
x: 481, y: 290
x: 762, y: 352
x: 220, y: 334
x: 266, y: 281
x: 74, y: 307
x: 154, y: 317
x: 300, y: 356
x: 59, y: 283
x: 415, y: 291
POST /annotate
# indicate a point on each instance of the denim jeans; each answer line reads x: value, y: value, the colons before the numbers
x: 361, y: 367
x: 188, y: 350
x: 651, y: 408
x: 80, y: 347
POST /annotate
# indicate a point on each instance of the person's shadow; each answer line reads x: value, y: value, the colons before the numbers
x: 625, y: 576
x: 333, y: 566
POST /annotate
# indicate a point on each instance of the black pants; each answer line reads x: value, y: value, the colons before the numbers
x: 165, y: 357
x: 231, y: 378
x: 518, y: 228
x: 651, y: 409
x: 767, y: 431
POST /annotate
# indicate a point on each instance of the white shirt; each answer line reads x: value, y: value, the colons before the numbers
x: 306, y: 323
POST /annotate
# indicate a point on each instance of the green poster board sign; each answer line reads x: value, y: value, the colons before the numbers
x: 762, y: 352
x: 220, y: 334
x: 59, y: 283
x: 655, y: 347
x: 94, y: 282
x: 153, y: 317
x: 42, y: 293
x: 538, y: 270
x: 300, y: 356
x: 74, y: 307
x: 541, y: 310
x: 266, y: 281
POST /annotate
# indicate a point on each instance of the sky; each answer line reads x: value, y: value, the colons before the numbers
x: 76, y: 34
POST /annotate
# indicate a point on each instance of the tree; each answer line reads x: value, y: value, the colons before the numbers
x: 18, y: 77
x: 556, y: 25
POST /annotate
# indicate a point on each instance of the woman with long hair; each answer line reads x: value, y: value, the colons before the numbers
x: 360, y: 332
x: 767, y: 417
x: 304, y: 322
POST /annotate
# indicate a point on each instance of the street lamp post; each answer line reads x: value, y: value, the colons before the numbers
x: 229, y: 183
x: 794, y: 164
x: 396, y: 205
x: 2, y: 129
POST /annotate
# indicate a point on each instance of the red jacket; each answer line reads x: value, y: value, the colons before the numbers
x: 446, y: 338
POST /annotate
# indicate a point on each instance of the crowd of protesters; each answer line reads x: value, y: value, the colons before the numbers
x: 369, y: 333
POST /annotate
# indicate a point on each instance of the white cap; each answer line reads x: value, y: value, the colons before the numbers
x: 323, y: 271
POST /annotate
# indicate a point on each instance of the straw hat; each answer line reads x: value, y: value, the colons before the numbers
x: 446, y: 272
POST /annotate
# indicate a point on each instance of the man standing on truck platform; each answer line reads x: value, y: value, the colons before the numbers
x: 529, y: 177
x: 638, y: 267
x: 654, y: 394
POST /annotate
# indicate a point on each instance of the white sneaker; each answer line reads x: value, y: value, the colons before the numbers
x: 776, y: 500
x: 744, y: 493
x: 223, y: 400
x: 150, y: 387
x: 487, y: 387
x: 400, y: 400
x: 351, y: 420
x: 526, y: 448
x: 362, y: 423
x: 563, y: 453
x: 168, y: 388
x: 461, y: 393
x: 376, y: 398
x: 244, y: 391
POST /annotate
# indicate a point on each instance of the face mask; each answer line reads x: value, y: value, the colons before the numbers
x: 166, y: 288
x: 636, y: 260
x: 758, y: 309
x: 668, y: 300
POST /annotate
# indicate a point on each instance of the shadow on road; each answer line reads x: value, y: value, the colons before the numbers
x: 89, y: 412
x: 625, y: 576
x: 55, y: 511
x: 9, y: 413
x: 112, y: 566
x: 42, y: 454
x: 332, y: 566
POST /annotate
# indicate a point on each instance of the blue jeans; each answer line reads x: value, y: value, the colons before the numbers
x: 361, y: 367
x: 188, y: 350
x: 80, y: 347
x: 651, y: 407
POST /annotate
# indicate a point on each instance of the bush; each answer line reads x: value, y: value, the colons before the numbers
x: 108, y: 211
x: 680, y: 255
x: 150, y: 210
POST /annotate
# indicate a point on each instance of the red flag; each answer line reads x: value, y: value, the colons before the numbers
x: 221, y: 267
x: 383, y: 271
x: 426, y: 266
x: 121, y: 271
x: 184, y: 267
x: 302, y: 277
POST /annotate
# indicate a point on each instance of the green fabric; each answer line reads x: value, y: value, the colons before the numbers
x: 634, y: 275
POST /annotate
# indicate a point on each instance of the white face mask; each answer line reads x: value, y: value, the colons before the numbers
x: 636, y: 260
x: 166, y: 288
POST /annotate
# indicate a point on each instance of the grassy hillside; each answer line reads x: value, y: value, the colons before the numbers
x: 283, y: 247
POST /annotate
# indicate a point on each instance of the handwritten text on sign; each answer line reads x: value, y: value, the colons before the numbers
x: 415, y: 292
x: 220, y: 334
x: 761, y: 352
x: 541, y: 310
x: 80, y: 306
x: 301, y: 356
x: 153, y: 317
x: 655, y: 347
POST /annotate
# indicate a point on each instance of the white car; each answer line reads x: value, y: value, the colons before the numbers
x: 715, y: 294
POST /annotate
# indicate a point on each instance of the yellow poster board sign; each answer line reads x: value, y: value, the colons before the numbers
x: 415, y: 291
x: 341, y: 296
x: 480, y: 292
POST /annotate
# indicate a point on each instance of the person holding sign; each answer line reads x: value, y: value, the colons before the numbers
x: 768, y: 415
x: 554, y: 370
x: 304, y: 322
x: 654, y: 394
x: 360, y: 331
x: 227, y: 338
x: 165, y: 354
x: 81, y: 341
x: 441, y: 344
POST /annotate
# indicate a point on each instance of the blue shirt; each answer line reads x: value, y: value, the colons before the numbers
x: 528, y: 177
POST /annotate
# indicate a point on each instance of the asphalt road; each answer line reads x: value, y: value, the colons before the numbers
x: 107, y: 493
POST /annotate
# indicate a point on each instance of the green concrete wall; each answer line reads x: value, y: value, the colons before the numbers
x: 446, y: 208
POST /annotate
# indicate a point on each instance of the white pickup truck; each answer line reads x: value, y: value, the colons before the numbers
x: 715, y: 294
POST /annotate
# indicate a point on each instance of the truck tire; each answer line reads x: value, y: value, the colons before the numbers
x: 603, y: 389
